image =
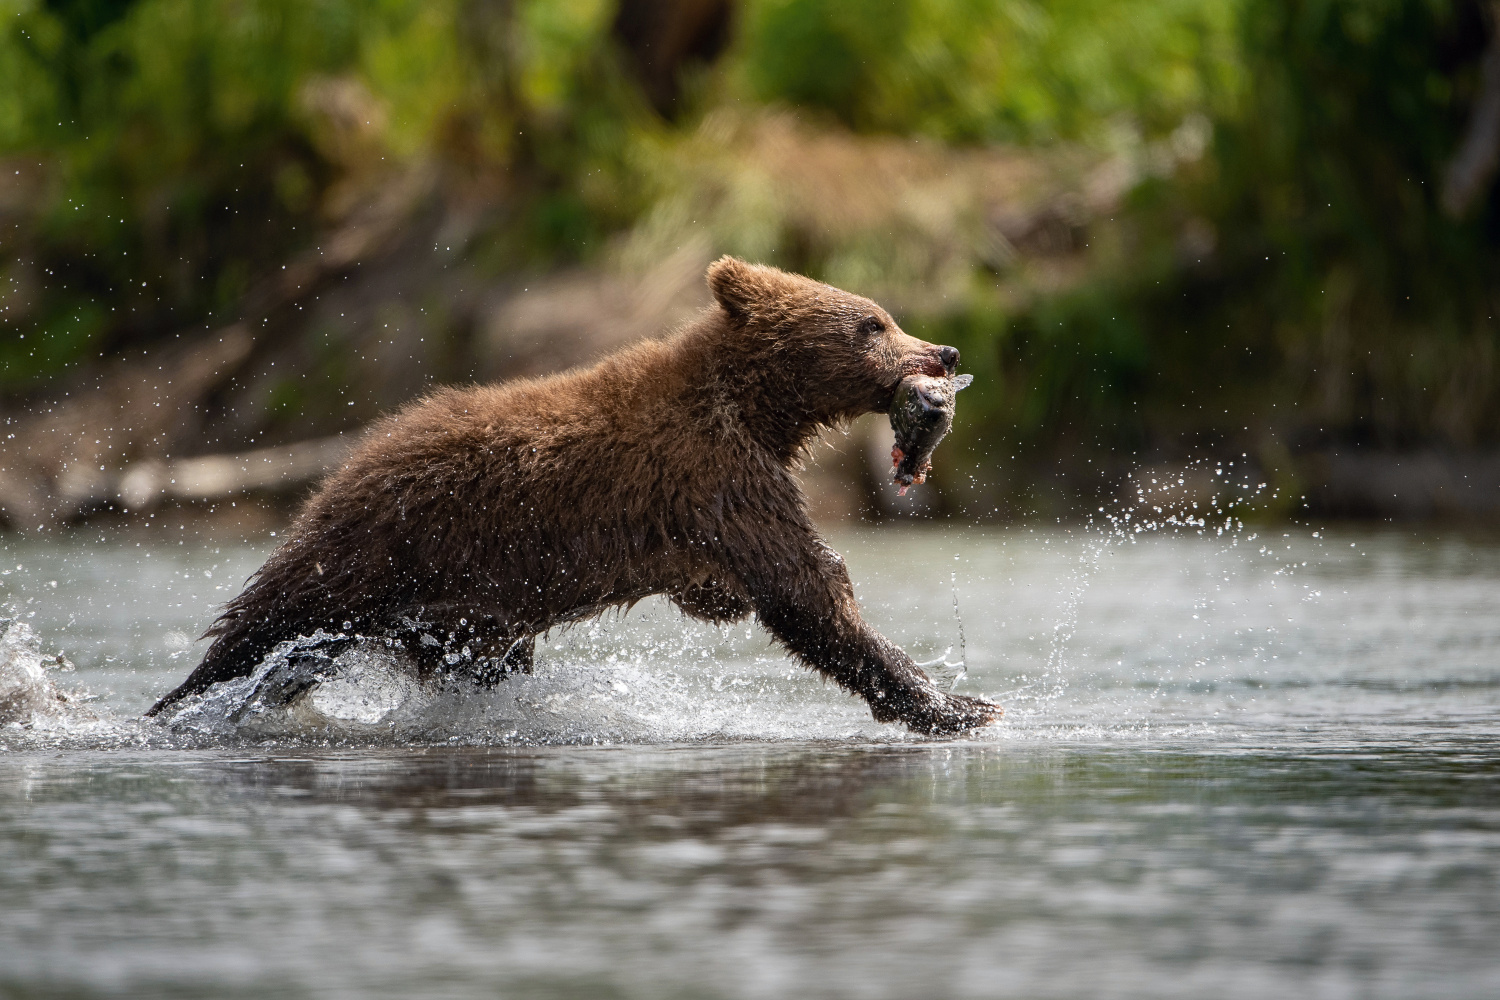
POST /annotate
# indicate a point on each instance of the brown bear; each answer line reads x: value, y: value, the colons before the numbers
x: 476, y: 519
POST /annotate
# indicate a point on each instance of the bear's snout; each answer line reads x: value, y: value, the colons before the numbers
x: 931, y: 360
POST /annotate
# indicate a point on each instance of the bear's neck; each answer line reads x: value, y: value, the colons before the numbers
x: 751, y: 383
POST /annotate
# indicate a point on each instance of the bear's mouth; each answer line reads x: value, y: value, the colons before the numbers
x: 915, y: 365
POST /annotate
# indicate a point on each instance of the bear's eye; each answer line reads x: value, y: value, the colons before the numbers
x: 870, y: 325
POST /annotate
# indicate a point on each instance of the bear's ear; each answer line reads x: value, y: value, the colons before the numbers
x: 736, y: 285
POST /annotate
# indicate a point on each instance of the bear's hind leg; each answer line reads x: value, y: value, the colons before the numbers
x: 308, y: 663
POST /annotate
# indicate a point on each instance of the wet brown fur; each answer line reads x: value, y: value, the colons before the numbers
x: 481, y: 517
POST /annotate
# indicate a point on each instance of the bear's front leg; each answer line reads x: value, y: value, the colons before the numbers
x: 802, y: 594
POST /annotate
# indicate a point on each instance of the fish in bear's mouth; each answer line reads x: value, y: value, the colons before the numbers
x: 921, y: 414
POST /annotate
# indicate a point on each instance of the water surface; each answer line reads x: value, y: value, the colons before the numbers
x: 1253, y: 763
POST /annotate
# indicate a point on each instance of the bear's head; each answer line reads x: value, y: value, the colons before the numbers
x: 831, y: 355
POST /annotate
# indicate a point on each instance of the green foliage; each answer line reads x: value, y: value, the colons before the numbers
x: 988, y: 70
x: 175, y: 163
x: 1339, y: 303
x: 66, y: 335
x: 187, y: 147
x: 162, y: 156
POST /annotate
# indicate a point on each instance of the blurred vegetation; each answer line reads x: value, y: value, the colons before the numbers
x: 165, y: 154
x: 1274, y: 270
x: 992, y: 70
x: 1304, y: 286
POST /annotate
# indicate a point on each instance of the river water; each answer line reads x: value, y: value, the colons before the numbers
x: 1243, y: 763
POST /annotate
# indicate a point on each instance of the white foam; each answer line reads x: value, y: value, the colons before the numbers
x: 30, y: 700
x: 371, y: 693
x: 27, y: 693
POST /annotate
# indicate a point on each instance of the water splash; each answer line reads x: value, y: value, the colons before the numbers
x: 1202, y: 498
x: 584, y: 689
x: 31, y: 702
x: 948, y: 673
x: 27, y: 693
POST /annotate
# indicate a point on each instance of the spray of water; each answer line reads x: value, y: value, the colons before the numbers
x: 33, y: 704
x: 1202, y: 499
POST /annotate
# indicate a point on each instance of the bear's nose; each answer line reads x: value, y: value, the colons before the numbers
x: 949, y: 357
